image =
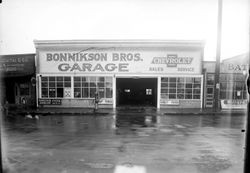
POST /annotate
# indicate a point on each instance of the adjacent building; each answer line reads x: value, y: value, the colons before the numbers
x: 17, y: 73
x: 233, y: 75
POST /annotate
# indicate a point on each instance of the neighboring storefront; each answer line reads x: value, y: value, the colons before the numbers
x: 209, y: 76
x: 18, y: 79
x: 234, y: 72
x: 163, y: 74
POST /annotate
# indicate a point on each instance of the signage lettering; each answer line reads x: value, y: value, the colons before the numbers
x: 76, y: 57
x: 49, y: 101
x: 120, y: 61
x: 172, y: 60
x: 237, y: 67
x: 126, y: 57
x: 121, y: 67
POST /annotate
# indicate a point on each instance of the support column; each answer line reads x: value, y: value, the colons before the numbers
x: 158, y: 92
x: 114, y: 91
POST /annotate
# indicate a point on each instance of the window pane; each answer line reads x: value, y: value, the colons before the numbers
x: 92, y: 92
x: 92, y: 84
x: 44, y: 92
x: 77, y: 79
x: 180, y: 80
x: 67, y: 79
x: 171, y: 79
x: 180, y: 85
x: 85, y: 92
x: 85, y: 85
x: 100, y: 79
x: 196, y: 97
x: 52, y: 78
x: 85, y: 79
x: 108, y: 85
x: 108, y: 93
x: 59, y: 78
x: 188, y: 85
x: 189, y: 91
x: 172, y: 90
x: 172, y: 96
x: 164, y: 79
x: 164, y: 90
x: 59, y: 84
x: 109, y: 79
x: 92, y: 79
x: 77, y: 92
x: 188, y: 96
x: 196, y: 91
x: 44, y: 84
x: 180, y: 96
x: 101, y: 92
x: 197, y: 80
x: 172, y: 85
x: 59, y: 92
x: 189, y: 80
x: 44, y: 79
x: 197, y: 86
x: 164, y: 84
x: 52, y: 84
x: 67, y: 84
x: 77, y: 84
x: 100, y: 84
x: 52, y: 92
x: 164, y: 95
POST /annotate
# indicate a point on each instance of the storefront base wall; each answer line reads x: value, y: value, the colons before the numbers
x: 79, y: 103
x: 184, y: 104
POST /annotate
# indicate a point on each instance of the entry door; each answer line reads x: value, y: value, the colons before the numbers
x: 210, y: 97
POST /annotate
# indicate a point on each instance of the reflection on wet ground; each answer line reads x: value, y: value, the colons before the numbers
x: 141, y: 142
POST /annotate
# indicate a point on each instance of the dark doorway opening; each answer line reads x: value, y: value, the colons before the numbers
x: 136, y: 91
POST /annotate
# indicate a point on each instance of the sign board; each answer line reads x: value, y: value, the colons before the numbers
x: 17, y: 65
x: 170, y: 102
x: 49, y: 101
x: 234, y: 104
x: 67, y: 92
x: 121, y: 62
x: 106, y: 101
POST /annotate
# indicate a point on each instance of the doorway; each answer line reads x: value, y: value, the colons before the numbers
x: 136, y: 91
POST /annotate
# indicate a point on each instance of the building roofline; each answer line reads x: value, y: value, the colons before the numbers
x: 19, y: 54
x: 191, y: 43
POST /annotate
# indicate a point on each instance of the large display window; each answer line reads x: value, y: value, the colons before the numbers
x: 86, y: 87
x: 233, y: 86
x: 53, y: 86
x: 181, y: 87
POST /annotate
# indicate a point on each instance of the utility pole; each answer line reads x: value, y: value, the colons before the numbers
x: 217, y: 66
x: 247, y: 136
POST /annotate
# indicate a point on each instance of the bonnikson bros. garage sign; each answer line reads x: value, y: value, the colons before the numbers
x: 143, y: 61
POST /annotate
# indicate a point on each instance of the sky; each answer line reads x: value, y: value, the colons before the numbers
x: 22, y: 21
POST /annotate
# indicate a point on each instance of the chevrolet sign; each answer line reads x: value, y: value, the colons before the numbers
x: 172, y: 60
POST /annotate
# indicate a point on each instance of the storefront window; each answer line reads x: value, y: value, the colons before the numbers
x: 53, y: 87
x: 181, y: 88
x: 24, y: 89
x: 86, y: 87
x: 210, y: 79
x: 232, y: 86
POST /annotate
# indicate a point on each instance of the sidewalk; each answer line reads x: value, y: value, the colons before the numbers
x: 111, y: 111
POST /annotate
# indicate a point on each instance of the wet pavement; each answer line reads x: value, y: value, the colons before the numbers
x: 124, y: 142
